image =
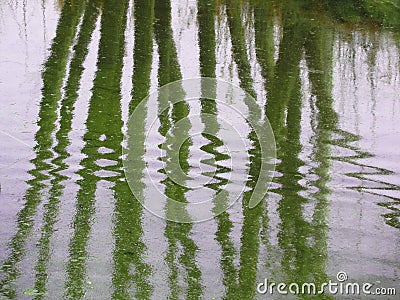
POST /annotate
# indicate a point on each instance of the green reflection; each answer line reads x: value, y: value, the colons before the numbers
x: 53, y: 75
x: 207, y: 44
x: 57, y: 184
x: 181, y: 248
x: 239, y: 46
x: 303, y: 243
x: 305, y: 33
x: 264, y: 25
x: 264, y: 14
x: 319, y: 56
x: 241, y: 281
x: 130, y: 270
x: 104, y: 122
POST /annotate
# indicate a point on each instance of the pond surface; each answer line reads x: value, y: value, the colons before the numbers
x: 327, y: 77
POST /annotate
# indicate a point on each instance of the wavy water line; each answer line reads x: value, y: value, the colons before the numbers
x: 47, y: 117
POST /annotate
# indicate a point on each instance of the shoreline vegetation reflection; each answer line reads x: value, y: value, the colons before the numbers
x: 294, y: 57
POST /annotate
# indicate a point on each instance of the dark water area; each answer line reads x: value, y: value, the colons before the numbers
x: 325, y: 74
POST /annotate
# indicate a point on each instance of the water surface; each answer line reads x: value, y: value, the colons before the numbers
x: 327, y: 77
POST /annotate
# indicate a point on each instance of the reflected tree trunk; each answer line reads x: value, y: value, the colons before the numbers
x: 130, y: 250
x: 57, y: 184
x: 104, y: 123
x: 53, y: 75
x: 177, y: 234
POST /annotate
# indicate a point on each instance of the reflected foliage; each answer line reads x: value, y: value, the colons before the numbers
x: 289, y: 42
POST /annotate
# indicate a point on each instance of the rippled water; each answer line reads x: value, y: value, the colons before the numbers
x: 71, y: 73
